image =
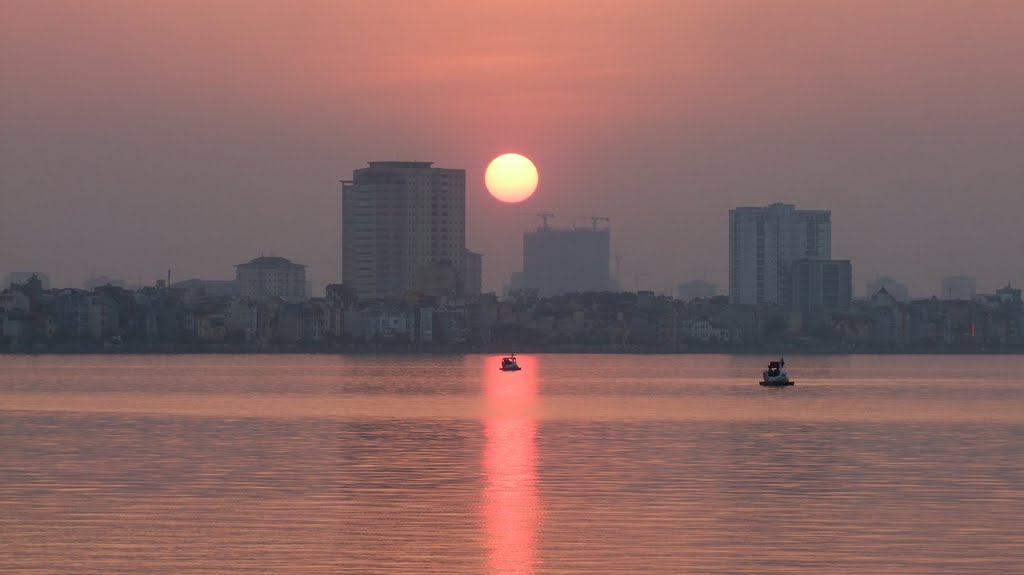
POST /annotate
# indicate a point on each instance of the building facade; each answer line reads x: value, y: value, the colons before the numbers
x: 271, y: 276
x: 398, y: 218
x: 566, y: 260
x: 764, y: 243
x: 472, y: 273
x: 820, y: 287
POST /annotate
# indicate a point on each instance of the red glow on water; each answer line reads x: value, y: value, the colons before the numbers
x: 511, y: 502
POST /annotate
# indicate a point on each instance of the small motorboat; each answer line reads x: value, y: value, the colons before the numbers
x: 509, y: 363
x: 775, y: 375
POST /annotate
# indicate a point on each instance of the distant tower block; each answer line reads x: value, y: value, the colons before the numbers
x: 566, y: 260
x: 764, y: 243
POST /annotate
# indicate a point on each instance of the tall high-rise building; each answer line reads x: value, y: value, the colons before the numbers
x: 566, y: 260
x: 764, y: 243
x: 398, y: 219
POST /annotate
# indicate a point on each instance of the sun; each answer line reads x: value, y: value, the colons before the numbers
x: 511, y: 178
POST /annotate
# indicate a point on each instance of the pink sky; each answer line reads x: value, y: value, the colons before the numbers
x: 142, y: 136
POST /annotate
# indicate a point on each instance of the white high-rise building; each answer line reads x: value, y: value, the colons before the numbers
x: 763, y: 245
x: 397, y: 219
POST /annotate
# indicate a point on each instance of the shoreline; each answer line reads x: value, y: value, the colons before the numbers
x: 772, y: 350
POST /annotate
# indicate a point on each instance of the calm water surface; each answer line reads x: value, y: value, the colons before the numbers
x: 576, y: 464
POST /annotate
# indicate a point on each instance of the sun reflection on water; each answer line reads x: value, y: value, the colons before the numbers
x: 511, y: 502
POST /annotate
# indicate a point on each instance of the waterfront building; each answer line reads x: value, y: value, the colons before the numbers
x: 764, y: 243
x: 820, y: 287
x: 271, y: 276
x: 399, y: 220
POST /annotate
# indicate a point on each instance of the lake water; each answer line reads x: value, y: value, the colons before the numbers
x: 577, y: 464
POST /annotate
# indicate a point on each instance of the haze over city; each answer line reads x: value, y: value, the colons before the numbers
x: 142, y: 137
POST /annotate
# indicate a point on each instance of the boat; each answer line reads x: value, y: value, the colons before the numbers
x: 509, y: 363
x: 775, y: 375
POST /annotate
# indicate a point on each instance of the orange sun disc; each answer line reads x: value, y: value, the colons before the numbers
x: 511, y: 178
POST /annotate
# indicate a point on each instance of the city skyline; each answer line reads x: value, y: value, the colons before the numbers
x: 127, y: 152
x: 615, y: 277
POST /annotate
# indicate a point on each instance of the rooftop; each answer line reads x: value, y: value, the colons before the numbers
x: 270, y: 262
x: 397, y: 164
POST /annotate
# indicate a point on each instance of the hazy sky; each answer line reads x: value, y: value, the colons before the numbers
x: 137, y: 137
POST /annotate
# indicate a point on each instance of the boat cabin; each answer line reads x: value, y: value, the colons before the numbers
x: 509, y: 362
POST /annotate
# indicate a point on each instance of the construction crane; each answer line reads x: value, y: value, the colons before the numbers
x: 543, y: 217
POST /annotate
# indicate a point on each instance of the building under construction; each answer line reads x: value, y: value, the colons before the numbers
x: 567, y: 260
